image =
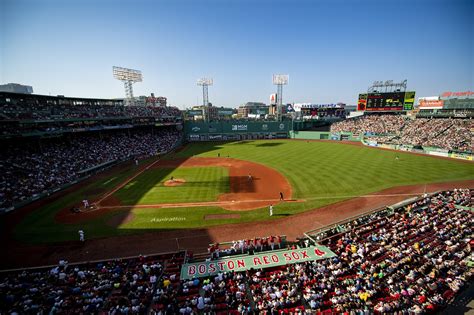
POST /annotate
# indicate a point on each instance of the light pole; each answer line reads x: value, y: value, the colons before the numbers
x: 205, y: 82
x: 279, y: 80
x: 128, y: 77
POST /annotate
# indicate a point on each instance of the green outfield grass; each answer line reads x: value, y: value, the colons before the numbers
x: 202, y: 184
x: 319, y: 172
x: 322, y: 169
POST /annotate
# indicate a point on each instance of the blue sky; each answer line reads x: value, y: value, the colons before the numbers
x: 332, y: 50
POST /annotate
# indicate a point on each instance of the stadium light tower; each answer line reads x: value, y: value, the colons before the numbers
x: 128, y: 77
x: 279, y: 80
x: 205, y: 82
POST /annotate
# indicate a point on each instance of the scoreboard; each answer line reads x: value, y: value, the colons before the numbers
x: 387, y: 101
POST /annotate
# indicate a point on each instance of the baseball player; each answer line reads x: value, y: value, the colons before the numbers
x: 271, y: 210
x: 85, y: 202
x: 81, y: 236
x: 250, y: 177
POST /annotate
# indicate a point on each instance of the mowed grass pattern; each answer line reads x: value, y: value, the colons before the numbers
x: 328, y: 169
x: 202, y: 184
x: 319, y: 172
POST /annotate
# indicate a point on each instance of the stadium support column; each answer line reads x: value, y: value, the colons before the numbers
x: 205, y: 82
x: 205, y: 102
x: 279, y: 80
x: 129, y: 92
x: 280, y: 100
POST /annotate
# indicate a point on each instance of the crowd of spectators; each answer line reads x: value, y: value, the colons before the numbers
x: 410, y: 260
x: 376, y: 124
x: 244, y: 246
x: 124, y: 286
x: 277, y: 289
x: 445, y: 133
x: 45, y: 111
x: 224, y: 293
x: 29, y: 169
x: 451, y: 134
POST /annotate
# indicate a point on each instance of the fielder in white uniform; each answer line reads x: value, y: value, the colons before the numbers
x: 81, y: 236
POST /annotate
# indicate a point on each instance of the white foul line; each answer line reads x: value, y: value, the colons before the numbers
x: 125, y: 183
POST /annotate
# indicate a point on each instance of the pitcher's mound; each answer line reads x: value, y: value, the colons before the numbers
x: 175, y: 182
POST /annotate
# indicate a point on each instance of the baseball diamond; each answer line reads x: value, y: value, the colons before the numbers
x: 310, y: 182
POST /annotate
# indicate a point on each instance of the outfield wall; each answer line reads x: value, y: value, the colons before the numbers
x: 423, y: 150
x: 236, y: 130
x: 324, y: 135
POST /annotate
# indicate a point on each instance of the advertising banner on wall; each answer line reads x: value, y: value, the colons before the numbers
x: 430, y: 103
x: 260, y: 260
x: 447, y: 95
x: 194, y: 112
x: 225, y: 112
x: 462, y: 156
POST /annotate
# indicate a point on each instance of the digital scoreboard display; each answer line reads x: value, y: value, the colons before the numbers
x: 387, y: 101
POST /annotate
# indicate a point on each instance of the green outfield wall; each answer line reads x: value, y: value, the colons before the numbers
x: 324, y: 135
x: 236, y: 130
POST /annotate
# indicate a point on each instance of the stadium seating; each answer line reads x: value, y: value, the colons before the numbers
x: 33, y: 167
x: 45, y: 111
x: 411, y: 260
x: 448, y: 133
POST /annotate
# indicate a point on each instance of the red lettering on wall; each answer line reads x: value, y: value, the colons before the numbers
x: 221, y: 265
x: 231, y: 264
x: 202, y: 269
x: 295, y: 255
x: 275, y: 258
x: 256, y: 261
x: 266, y: 260
x: 212, y: 267
x: 240, y: 263
x: 304, y: 254
x: 191, y: 270
x: 287, y: 256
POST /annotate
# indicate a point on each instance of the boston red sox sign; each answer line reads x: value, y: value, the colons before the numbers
x: 261, y: 260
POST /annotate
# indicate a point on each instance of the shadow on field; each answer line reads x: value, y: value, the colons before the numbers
x: 242, y: 184
x: 240, y: 142
x: 141, y: 242
x: 148, y: 240
x: 238, y: 184
x: 268, y: 144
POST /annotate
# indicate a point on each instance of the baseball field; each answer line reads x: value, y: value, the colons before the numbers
x: 208, y: 184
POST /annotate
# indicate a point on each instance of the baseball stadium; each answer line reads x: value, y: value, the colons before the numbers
x: 180, y: 194
x: 131, y: 205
